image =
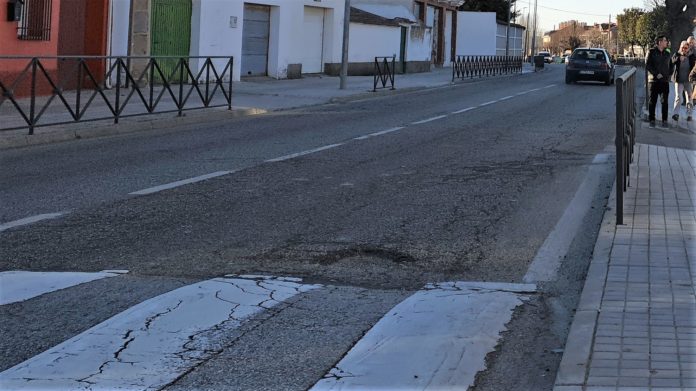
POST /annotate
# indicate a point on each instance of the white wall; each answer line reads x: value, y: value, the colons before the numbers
x: 370, y: 41
x: 516, y: 40
x: 419, y: 43
x: 476, y: 33
x: 216, y: 36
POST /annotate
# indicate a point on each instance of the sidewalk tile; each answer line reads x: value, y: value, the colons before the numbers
x: 647, y: 313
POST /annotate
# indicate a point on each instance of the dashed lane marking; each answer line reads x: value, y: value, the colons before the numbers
x: 488, y: 103
x: 382, y: 132
x: 153, y: 343
x: 463, y: 110
x: 303, y: 153
x: 180, y: 183
x: 30, y: 220
x: 429, y: 120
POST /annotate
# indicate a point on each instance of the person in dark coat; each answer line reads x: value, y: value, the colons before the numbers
x: 682, y: 62
x: 658, y: 64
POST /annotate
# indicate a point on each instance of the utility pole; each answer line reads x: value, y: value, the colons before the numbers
x: 535, y: 29
x: 507, y: 32
x: 346, y: 34
x: 526, y: 34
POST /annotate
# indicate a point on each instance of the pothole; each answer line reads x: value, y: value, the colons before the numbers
x: 363, y: 255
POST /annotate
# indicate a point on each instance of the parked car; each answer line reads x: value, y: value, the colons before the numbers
x: 590, y: 64
x: 548, y: 58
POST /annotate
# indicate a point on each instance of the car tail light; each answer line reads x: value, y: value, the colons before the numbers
x: 605, y: 65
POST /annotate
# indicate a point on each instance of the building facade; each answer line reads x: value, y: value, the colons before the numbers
x: 51, y: 28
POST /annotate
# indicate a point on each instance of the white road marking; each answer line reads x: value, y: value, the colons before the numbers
x: 437, y: 339
x: 303, y: 153
x: 548, y: 259
x: 151, y: 344
x: 429, y: 120
x: 16, y: 285
x: 550, y: 85
x: 382, y: 132
x: 30, y: 220
x: 463, y: 110
x: 180, y: 183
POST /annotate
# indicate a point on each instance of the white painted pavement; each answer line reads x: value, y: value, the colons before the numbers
x: 151, y: 344
x: 548, y: 259
x: 437, y: 339
x: 30, y: 220
x: 17, y: 285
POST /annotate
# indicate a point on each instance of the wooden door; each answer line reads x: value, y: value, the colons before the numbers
x: 170, y: 33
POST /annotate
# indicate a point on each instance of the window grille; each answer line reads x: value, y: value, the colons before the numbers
x: 35, y: 20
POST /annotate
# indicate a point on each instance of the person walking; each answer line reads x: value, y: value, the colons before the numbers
x: 692, y: 79
x: 658, y: 64
x: 692, y: 52
x: 682, y: 62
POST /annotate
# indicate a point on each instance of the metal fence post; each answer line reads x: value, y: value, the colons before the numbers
x: 229, y: 100
x: 117, y: 111
x: 32, y: 104
x: 619, y: 151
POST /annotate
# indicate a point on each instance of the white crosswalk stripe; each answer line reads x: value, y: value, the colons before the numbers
x: 151, y: 344
x: 437, y: 338
x: 17, y: 285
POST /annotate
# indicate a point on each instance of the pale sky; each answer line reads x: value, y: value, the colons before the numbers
x: 552, y: 12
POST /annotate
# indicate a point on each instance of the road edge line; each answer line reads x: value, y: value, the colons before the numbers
x: 576, y: 355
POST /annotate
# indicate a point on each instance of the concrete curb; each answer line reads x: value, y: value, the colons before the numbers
x: 576, y: 357
x: 87, y: 130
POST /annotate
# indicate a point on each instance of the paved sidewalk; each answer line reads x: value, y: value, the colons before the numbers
x: 635, y: 326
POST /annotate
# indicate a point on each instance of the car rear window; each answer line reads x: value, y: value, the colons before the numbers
x: 588, y: 55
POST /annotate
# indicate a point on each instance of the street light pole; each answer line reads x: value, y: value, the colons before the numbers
x: 346, y: 34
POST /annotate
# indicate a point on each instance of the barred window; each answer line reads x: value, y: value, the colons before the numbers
x: 35, y: 21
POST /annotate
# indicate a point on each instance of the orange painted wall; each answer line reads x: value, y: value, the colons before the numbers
x: 12, y: 46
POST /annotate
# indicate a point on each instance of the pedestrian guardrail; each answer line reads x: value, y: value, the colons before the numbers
x: 43, y: 91
x: 625, y: 135
x: 385, y: 68
x: 482, y: 66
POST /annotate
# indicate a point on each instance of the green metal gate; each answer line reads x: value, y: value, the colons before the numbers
x: 170, y: 33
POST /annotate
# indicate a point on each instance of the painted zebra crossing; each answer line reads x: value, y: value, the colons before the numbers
x: 436, y: 338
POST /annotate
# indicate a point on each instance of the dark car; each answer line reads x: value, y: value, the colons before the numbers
x: 590, y: 64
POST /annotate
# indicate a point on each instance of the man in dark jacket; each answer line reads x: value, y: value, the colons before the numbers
x: 682, y: 62
x: 658, y: 64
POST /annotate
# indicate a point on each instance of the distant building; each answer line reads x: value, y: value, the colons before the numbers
x: 598, y: 35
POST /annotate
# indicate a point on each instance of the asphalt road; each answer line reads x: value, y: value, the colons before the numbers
x: 463, y: 183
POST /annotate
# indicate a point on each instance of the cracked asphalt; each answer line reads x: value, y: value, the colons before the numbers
x: 470, y: 197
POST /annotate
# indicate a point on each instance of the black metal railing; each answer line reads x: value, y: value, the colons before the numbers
x: 482, y: 66
x: 625, y: 135
x: 45, y: 91
x: 385, y: 68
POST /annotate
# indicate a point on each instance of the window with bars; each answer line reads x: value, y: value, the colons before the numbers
x: 35, y: 20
